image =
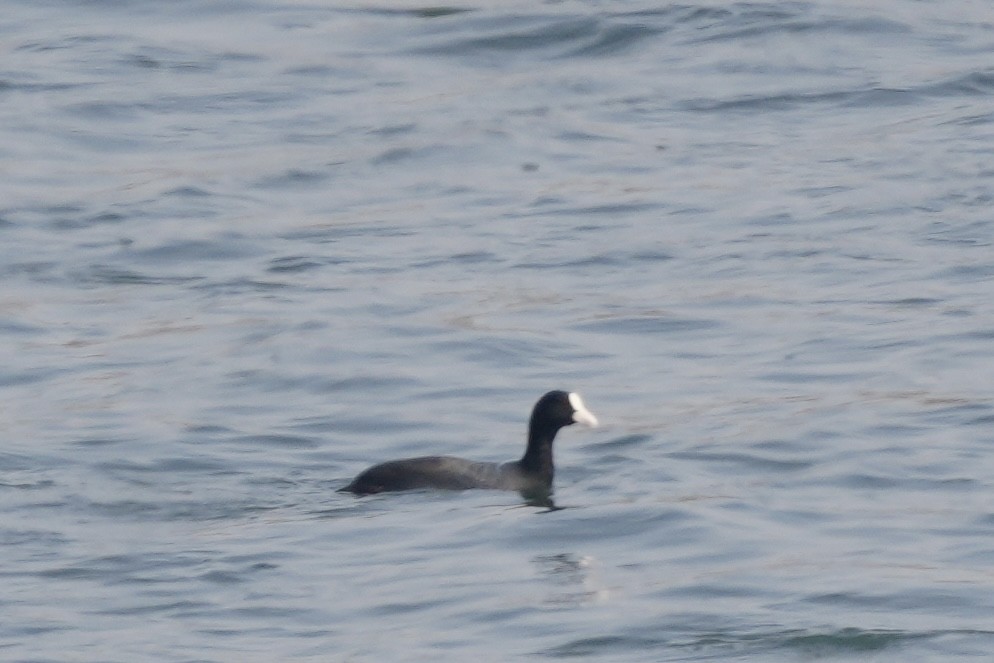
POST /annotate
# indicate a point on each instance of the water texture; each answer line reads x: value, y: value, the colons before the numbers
x: 248, y: 249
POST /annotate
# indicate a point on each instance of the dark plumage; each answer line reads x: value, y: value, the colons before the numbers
x: 531, y: 475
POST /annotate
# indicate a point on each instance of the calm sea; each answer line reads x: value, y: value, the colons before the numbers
x: 249, y: 248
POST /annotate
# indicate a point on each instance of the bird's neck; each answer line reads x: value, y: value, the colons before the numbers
x: 538, y: 455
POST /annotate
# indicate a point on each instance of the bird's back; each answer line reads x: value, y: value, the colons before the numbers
x: 445, y: 472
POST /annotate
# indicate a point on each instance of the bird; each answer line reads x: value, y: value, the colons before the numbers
x: 531, y: 475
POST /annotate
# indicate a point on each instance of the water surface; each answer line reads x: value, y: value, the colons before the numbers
x: 249, y: 249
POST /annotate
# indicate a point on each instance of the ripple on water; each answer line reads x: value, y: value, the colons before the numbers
x: 548, y: 36
x: 776, y: 645
x: 647, y: 324
x: 759, y: 463
x: 100, y: 275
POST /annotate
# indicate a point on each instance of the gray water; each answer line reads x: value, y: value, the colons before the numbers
x: 250, y: 248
